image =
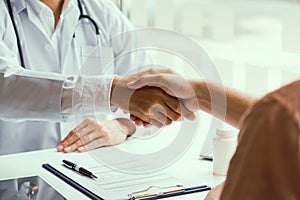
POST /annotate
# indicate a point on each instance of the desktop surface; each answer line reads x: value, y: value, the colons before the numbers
x: 188, y: 168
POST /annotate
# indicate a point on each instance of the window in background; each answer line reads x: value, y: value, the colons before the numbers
x: 255, y: 44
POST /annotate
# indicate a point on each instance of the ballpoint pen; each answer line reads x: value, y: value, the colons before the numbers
x: 208, y: 158
x: 71, y: 182
x: 80, y: 170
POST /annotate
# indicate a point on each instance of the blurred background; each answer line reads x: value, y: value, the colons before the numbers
x: 255, y: 44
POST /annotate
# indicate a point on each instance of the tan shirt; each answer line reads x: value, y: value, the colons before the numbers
x: 266, y: 164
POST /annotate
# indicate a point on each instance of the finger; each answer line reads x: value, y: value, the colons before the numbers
x: 160, y: 116
x: 100, y: 142
x: 187, y: 113
x: 79, y: 127
x: 174, y: 105
x: 133, y: 118
x: 76, y: 134
x: 160, y: 71
x: 90, y: 137
x: 72, y: 133
x: 173, y: 114
x: 191, y: 104
x: 73, y: 147
x: 154, y: 72
x: 156, y: 123
x: 141, y: 115
x: 165, y: 120
x: 149, y: 80
x: 70, y: 138
x: 136, y: 120
x: 83, y: 141
x: 146, y: 125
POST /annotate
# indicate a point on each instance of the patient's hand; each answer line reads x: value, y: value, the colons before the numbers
x: 92, y: 134
x: 216, y: 192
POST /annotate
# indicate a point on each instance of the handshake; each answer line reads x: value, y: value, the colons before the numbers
x: 155, y: 97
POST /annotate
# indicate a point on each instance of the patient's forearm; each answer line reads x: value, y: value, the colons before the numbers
x: 213, y: 96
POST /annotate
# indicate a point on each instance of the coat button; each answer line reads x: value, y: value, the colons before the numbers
x: 48, y: 47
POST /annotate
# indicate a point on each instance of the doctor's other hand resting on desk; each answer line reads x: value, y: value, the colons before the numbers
x: 92, y: 134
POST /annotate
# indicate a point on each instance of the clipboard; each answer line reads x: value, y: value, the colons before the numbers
x: 150, y: 193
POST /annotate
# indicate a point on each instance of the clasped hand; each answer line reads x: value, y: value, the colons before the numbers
x: 149, y: 103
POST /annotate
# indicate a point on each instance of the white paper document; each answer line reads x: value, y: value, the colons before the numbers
x: 118, y: 184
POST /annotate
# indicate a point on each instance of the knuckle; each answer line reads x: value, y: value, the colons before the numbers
x: 151, y: 71
x: 105, y: 134
x: 173, y: 115
x: 88, y: 147
x: 190, y: 115
x: 77, y: 134
x: 94, y: 144
x: 78, y: 143
x: 85, y: 140
x: 73, y: 147
x: 176, y: 106
x: 176, y: 117
x: 141, y: 79
x: 87, y: 120
x: 83, y: 130
x: 159, y: 125
x: 160, y: 79
x: 73, y: 132
x: 169, y: 71
x: 94, y: 123
x: 168, y: 122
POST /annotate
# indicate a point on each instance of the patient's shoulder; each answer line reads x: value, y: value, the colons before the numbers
x: 278, y: 108
x: 287, y: 98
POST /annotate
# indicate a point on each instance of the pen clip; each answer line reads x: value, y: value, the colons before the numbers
x: 154, y: 191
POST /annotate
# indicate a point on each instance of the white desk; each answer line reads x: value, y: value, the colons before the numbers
x: 188, y: 168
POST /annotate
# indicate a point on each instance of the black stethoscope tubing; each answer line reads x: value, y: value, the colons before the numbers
x: 16, y: 33
x: 81, y: 16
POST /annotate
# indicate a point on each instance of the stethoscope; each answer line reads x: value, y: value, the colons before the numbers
x: 81, y: 16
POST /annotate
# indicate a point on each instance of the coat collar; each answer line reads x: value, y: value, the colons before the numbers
x: 18, y: 5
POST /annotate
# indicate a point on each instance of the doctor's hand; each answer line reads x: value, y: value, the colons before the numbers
x: 150, y: 104
x: 92, y: 134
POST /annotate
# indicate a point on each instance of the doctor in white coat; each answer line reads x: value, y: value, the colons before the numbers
x: 43, y: 45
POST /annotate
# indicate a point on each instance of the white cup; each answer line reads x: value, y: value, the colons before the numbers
x: 225, y: 143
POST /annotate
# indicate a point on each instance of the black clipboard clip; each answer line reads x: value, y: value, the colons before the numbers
x: 160, y: 192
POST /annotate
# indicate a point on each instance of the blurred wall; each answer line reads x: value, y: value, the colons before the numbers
x: 255, y: 44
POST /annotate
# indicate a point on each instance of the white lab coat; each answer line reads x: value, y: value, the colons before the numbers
x: 31, y: 115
